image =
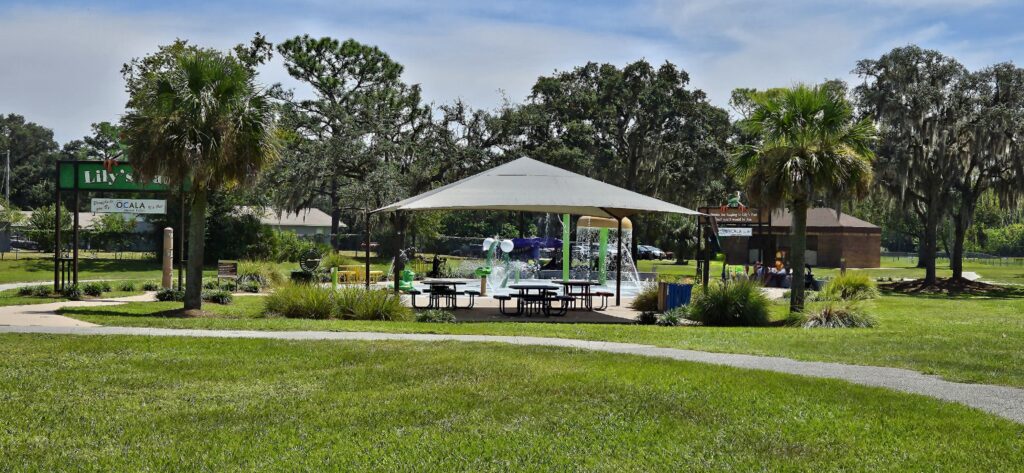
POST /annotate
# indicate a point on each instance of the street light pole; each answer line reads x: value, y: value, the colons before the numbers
x: 7, y: 178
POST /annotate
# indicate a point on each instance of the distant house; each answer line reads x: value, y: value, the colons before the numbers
x: 831, y: 239
x: 306, y: 222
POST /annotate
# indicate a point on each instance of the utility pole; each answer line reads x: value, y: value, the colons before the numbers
x: 7, y: 178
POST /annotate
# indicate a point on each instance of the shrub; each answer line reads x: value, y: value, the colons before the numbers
x: 92, y: 289
x: 126, y: 286
x: 250, y: 286
x: 369, y: 304
x: 166, y: 295
x: 105, y: 286
x: 672, y: 317
x: 647, y: 318
x: 72, y: 292
x: 217, y: 296
x: 210, y: 284
x: 852, y: 286
x: 837, y: 314
x: 35, y: 291
x: 301, y: 301
x: 647, y: 299
x: 263, y: 273
x: 736, y: 303
x: 150, y: 286
x: 435, y: 315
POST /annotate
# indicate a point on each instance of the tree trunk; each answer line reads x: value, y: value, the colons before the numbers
x: 929, y: 246
x: 196, y: 247
x: 797, y: 247
x: 956, y: 256
x: 335, y: 216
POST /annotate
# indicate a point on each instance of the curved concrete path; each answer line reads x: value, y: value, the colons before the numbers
x: 1002, y: 401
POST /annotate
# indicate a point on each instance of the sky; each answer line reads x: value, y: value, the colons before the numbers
x: 60, y: 61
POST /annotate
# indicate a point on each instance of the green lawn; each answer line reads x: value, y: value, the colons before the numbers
x: 971, y: 339
x: 187, y: 404
x: 40, y: 268
x: 11, y: 297
x: 895, y: 268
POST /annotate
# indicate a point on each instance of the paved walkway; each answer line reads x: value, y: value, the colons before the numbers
x: 1002, y: 401
x: 45, y: 315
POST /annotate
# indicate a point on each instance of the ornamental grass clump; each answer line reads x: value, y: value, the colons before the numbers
x: 647, y: 299
x: 218, y: 296
x: 126, y: 286
x: 735, y: 303
x: 305, y: 301
x: 35, y: 291
x: 852, y: 286
x: 264, y: 273
x: 838, y: 314
x: 356, y: 303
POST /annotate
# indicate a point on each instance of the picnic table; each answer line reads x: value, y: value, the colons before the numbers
x: 578, y: 290
x: 530, y: 302
x: 447, y: 289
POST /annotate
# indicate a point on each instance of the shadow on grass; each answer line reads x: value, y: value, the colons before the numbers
x: 947, y: 288
x: 111, y: 312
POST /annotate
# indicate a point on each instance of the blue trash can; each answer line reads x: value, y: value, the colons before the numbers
x: 677, y: 295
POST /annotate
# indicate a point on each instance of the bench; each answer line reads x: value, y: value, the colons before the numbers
x: 604, y: 295
x: 502, y: 299
x: 472, y: 293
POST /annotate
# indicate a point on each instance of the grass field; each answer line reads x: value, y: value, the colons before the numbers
x: 972, y: 339
x: 895, y: 268
x: 40, y: 268
x: 11, y: 297
x: 135, y: 403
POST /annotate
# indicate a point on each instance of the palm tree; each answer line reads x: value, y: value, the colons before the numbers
x: 807, y: 148
x: 195, y: 117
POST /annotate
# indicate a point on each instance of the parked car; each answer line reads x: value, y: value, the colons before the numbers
x: 649, y: 252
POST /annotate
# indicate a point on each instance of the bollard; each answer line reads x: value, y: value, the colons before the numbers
x: 168, y: 257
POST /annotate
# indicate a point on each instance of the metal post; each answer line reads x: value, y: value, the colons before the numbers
x: 618, y: 267
x: 56, y: 234
x: 181, y: 239
x: 74, y: 232
x: 367, y: 249
x: 7, y: 176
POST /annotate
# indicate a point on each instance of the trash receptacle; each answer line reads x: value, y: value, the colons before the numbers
x: 672, y: 295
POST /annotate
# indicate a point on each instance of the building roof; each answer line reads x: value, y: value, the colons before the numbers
x: 821, y: 219
x: 303, y: 218
x: 532, y: 186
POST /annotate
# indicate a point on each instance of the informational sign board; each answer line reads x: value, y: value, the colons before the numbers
x: 730, y: 216
x: 735, y: 231
x: 93, y: 175
x: 129, y: 206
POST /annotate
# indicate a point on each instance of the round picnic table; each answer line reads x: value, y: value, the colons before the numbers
x: 578, y: 289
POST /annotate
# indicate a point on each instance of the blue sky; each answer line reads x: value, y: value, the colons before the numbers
x: 61, y: 60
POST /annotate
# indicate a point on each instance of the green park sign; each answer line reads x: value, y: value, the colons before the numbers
x: 93, y: 175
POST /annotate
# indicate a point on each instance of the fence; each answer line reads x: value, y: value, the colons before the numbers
x: 972, y: 257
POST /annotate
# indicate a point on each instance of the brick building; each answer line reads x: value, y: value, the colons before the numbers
x: 830, y: 238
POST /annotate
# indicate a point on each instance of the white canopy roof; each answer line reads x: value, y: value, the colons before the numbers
x: 532, y: 186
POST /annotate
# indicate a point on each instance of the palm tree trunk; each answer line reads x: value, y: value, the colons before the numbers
x: 196, y: 247
x: 797, y: 248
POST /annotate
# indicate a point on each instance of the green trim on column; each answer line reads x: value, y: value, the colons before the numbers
x: 602, y: 253
x: 565, y: 247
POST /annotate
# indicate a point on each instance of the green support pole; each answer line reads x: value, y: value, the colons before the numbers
x: 565, y: 247
x: 602, y: 253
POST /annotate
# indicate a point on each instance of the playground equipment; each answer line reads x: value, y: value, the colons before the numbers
x: 590, y: 259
